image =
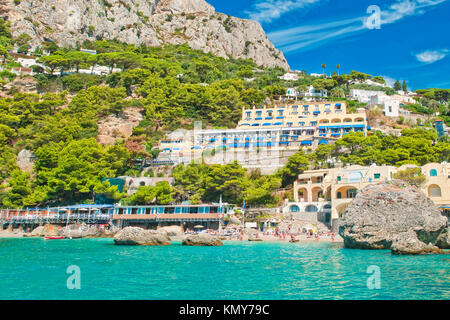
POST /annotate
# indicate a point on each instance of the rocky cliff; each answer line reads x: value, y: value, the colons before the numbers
x: 152, y: 22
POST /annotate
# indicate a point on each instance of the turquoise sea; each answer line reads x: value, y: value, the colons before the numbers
x: 36, y: 269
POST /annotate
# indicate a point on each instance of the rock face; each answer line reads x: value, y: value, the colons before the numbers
x: 139, y: 236
x: 47, y: 230
x: 407, y: 243
x: 76, y: 231
x: 152, y: 22
x: 388, y: 213
x: 25, y: 160
x: 119, y: 127
x: 172, y: 231
x: 443, y: 241
x: 202, y: 240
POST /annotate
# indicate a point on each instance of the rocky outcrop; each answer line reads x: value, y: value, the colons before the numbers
x: 76, y: 231
x: 443, y: 241
x: 385, y: 213
x: 25, y: 160
x: 408, y: 243
x: 119, y: 127
x: 139, y: 236
x: 151, y: 22
x: 47, y: 230
x: 172, y: 231
x: 202, y: 240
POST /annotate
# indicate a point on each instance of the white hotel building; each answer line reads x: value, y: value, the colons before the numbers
x: 265, y: 137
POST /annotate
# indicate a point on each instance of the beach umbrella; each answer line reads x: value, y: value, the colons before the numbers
x: 198, y: 227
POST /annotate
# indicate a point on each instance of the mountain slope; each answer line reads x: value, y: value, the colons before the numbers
x: 152, y: 22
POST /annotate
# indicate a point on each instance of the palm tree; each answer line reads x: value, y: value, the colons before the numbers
x: 323, y: 67
x: 338, y: 67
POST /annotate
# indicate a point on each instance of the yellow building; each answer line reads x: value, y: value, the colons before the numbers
x: 268, y: 135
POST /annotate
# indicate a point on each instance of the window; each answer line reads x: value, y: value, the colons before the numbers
x: 351, y: 193
x: 248, y: 114
x: 311, y: 208
x: 280, y: 112
x: 434, y: 191
x: 376, y: 176
x: 433, y: 173
x: 258, y: 113
x: 339, y: 178
x: 390, y: 109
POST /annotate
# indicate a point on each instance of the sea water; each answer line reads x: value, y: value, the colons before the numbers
x: 35, y: 268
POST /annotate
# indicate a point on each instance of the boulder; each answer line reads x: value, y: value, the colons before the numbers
x: 202, y: 240
x: 381, y: 212
x: 407, y: 243
x: 76, y: 231
x: 172, y: 231
x: 47, y: 230
x: 139, y: 236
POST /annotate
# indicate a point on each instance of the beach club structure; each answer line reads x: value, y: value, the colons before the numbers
x: 265, y: 137
x: 324, y: 195
x: 151, y: 217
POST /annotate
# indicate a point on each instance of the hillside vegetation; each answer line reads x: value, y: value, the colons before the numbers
x: 173, y: 86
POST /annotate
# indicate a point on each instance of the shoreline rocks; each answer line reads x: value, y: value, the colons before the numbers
x: 202, y: 240
x: 393, y: 216
x: 139, y: 236
x: 408, y: 243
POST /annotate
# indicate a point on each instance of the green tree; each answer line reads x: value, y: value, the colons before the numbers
x: 296, y: 164
x: 412, y: 176
x: 162, y: 193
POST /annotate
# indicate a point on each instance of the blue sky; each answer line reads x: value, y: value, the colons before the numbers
x: 412, y: 43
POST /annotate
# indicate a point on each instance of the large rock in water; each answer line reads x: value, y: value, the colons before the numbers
x: 172, y: 231
x: 139, y: 236
x: 75, y: 231
x: 381, y: 213
x: 47, y: 230
x: 202, y: 240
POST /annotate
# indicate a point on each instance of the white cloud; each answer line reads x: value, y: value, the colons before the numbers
x: 389, y: 81
x: 269, y: 10
x: 313, y: 35
x: 431, y: 56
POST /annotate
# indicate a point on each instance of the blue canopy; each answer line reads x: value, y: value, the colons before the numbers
x: 323, y: 142
x: 306, y: 142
